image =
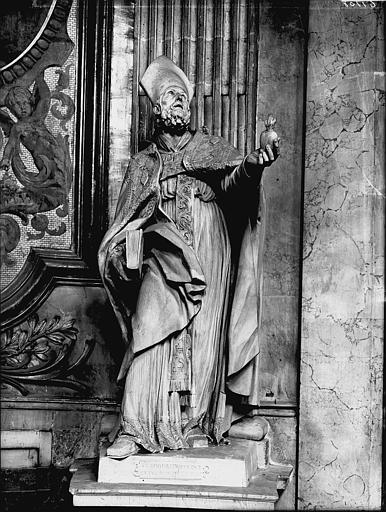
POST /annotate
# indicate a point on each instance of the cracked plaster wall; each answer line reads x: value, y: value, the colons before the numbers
x: 342, y: 322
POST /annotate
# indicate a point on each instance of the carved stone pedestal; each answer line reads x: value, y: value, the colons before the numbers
x: 184, y: 479
x: 227, y: 465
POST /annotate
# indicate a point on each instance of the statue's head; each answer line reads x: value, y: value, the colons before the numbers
x: 20, y: 102
x: 171, y: 111
x: 170, y: 92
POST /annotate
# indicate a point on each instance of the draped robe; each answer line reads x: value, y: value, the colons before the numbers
x: 191, y: 322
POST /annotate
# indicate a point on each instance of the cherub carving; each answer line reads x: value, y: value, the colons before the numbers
x: 50, y: 154
x: 47, y: 187
x: 30, y: 109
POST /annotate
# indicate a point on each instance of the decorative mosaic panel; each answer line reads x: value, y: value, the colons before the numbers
x: 37, y: 128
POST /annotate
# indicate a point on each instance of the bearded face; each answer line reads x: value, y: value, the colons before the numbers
x: 172, y: 112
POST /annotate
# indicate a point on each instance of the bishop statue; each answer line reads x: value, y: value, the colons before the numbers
x: 182, y: 267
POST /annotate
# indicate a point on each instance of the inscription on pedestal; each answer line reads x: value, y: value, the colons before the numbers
x: 169, y: 470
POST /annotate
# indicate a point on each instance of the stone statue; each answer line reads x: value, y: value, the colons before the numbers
x: 182, y: 267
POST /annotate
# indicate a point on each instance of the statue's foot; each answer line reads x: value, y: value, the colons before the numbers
x: 122, y: 447
x: 254, y: 428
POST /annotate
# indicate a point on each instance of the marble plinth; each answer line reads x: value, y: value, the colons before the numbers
x: 260, y: 494
x: 227, y: 465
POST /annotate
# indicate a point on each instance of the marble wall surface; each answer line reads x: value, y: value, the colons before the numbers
x: 342, y: 324
x: 121, y: 97
x: 283, y: 450
x: 280, y: 88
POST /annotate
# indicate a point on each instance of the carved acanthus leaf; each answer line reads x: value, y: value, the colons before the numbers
x: 38, y: 353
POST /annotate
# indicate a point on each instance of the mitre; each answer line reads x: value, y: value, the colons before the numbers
x: 161, y: 74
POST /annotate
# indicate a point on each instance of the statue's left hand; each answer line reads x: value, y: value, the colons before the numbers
x: 117, y: 261
x: 261, y: 158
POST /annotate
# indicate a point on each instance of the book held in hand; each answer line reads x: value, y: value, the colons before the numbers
x: 134, y: 249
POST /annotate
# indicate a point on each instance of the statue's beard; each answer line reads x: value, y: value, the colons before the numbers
x: 172, y: 120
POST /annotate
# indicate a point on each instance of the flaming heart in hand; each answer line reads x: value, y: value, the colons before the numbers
x: 269, y: 136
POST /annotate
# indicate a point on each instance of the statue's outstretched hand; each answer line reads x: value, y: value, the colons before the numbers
x: 261, y: 158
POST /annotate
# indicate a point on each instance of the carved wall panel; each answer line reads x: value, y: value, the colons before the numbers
x: 53, y: 142
x: 37, y: 99
x: 57, y: 373
x: 69, y: 349
x: 38, y: 353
